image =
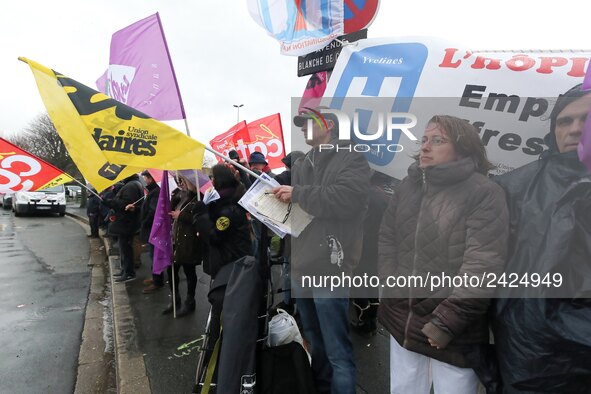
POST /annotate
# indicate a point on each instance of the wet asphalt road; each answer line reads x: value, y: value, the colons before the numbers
x: 44, y: 285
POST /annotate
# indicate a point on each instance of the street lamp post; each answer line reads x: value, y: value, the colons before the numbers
x: 237, y: 106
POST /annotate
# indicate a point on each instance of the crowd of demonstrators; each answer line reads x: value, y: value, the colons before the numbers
x: 448, y: 215
x: 332, y: 186
x: 187, y: 246
x: 445, y: 216
x: 543, y: 339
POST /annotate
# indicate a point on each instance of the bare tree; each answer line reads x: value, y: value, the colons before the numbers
x: 41, y: 139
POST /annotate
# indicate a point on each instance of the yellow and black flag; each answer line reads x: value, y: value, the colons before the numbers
x: 109, y: 140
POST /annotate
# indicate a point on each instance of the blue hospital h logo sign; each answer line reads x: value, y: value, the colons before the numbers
x: 390, y: 71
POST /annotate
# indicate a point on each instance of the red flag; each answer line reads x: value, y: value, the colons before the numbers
x: 263, y: 135
x: 224, y: 143
x: 22, y: 171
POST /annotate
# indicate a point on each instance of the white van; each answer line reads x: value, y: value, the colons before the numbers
x: 50, y: 200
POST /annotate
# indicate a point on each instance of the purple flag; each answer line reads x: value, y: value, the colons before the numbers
x: 140, y: 71
x: 101, y: 83
x: 584, y: 148
x: 161, y: 233
x: 587, y: 80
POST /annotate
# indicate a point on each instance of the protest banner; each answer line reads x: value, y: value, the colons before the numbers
x: 506, y: 95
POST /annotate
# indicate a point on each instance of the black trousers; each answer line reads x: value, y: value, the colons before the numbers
x: 126, y: 254
x: 93, y: 221
x: 190, y: 274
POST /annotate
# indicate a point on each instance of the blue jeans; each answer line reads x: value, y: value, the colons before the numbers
x: 325, y: 326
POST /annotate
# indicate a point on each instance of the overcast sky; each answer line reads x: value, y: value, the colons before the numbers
x: 222, y: 57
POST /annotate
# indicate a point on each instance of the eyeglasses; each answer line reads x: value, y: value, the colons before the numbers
x: 434, y: 141
x: 286, y: 215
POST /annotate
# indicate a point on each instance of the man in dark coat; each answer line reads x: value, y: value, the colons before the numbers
x: 93, y: 211
x: 285, y: 177
x: 107, y: 194
x: 126, y: 223
x: 543, y: 333
x: 331, y: 185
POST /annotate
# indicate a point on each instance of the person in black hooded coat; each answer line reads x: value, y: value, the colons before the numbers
x: 543, y: 333
x: 224, y: 228
x: 223, y: 224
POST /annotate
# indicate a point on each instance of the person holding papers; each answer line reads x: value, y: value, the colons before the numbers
x: 331, y: 185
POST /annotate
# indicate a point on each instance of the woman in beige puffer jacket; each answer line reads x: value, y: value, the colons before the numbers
x: 446, y: 219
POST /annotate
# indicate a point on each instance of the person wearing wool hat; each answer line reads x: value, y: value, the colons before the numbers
x: 543, y: 333
x: 257, y: 161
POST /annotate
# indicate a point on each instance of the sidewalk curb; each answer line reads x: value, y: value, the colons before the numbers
x: 77, y: 217
x: 96, y: 371
x: 94, y: 356
x: 131, y: 368
x: 130, y: 365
